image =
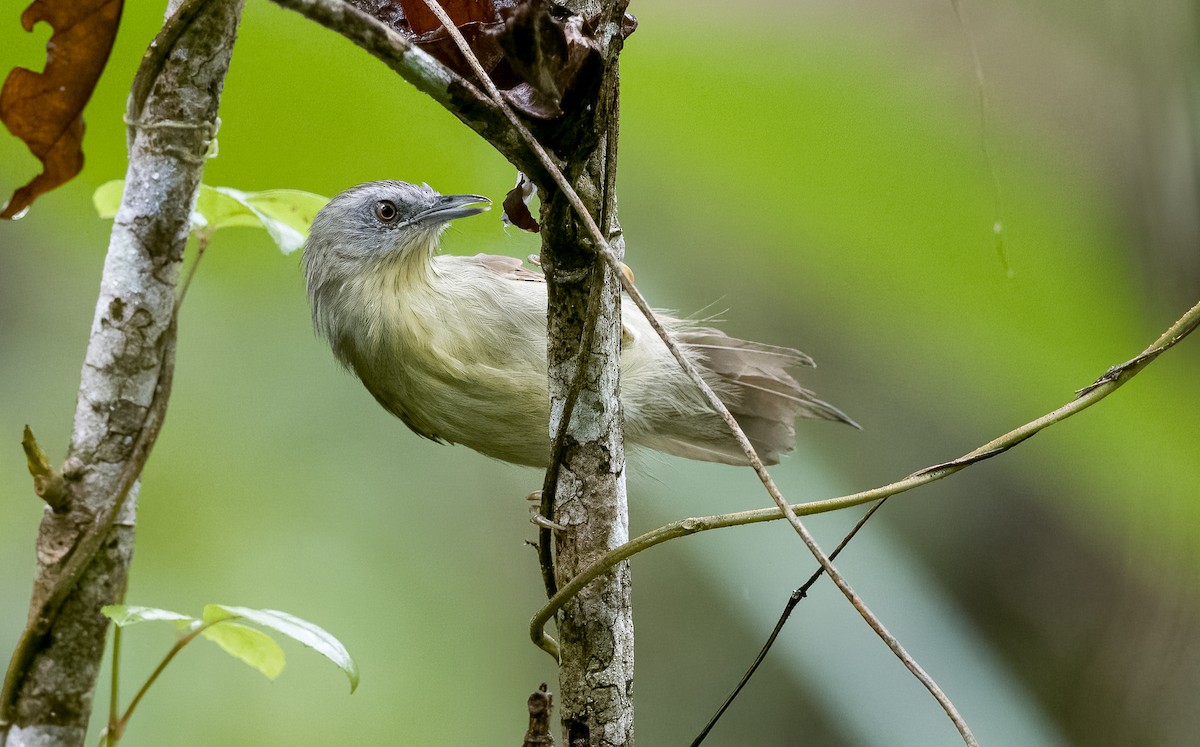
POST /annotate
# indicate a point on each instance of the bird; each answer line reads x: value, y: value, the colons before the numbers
x: 455, y: 346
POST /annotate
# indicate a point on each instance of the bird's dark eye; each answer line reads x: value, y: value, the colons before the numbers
x: 385, y: 210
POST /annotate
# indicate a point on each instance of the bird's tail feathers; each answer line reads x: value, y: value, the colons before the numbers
x: 753, y: 381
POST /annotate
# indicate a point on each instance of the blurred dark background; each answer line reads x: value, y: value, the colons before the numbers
x: 814, y: 175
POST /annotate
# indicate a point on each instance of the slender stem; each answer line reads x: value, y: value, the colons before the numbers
x: 1092, y: 394
x: 1088, y: 396
x: 114, y: 693
x: 103, y: 494
x: 984, y: 137
x: 793, y: 600
x: 202, y: 238
x: 116, y: 733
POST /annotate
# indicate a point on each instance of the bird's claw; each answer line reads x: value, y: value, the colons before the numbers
x: 545, y: 523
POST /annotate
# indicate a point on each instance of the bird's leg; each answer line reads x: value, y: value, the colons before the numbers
x: 535, y: 499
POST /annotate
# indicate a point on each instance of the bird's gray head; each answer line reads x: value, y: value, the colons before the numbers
x: 378, y: 219
x: 372, y: 227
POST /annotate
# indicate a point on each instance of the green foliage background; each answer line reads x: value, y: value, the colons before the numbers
x: 813, y: 178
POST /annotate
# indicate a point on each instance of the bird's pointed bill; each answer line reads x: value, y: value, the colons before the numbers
x: 449, y: 207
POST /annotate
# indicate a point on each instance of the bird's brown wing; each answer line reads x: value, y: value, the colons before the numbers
x: 509, y: 267
x: 515, y: 269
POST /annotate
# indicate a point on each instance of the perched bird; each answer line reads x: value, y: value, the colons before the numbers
x: 456, y: 346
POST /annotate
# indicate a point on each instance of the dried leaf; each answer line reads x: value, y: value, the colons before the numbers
x: 551, y: 54
x: 421, y: 19
x: 472, y: 17
x: 387, y: 11
x: 628, y: 25
x: 516, y: 205
x: 543, y: 59
x: 46, y: 109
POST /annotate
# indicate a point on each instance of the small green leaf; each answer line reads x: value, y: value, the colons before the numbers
x: 293, y: 208
x: 285, y: 214
x: 310, y: 635
x: 217, y: 210
x: 124, y: 615
x: 107, y: 198
x: 251, y: 645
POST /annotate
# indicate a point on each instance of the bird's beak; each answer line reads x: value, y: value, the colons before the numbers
x: 448, y: 207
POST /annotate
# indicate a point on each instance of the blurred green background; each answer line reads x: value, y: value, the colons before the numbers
x: 812, y: 174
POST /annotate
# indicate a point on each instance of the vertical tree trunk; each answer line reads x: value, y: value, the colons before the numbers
x: 51, y: 680
x: 595, y: 628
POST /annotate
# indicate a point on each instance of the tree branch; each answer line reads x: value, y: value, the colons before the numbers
x: 596, y: 675
x: 84, y: 551
x: 457, y: 95
x: 1113, y: 379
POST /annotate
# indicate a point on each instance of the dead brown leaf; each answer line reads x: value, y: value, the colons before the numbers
x: 45, y: 109
x: 516, y: 206
x: 533, y: 50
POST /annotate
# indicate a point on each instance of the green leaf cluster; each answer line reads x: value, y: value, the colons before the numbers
x: 227, y: 627
x: 285, y: 214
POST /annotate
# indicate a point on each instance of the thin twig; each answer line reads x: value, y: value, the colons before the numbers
x: 457, y: 95
x: 114, y: 691
x: 1105, y: 385
x: 48, y: 482
x: 984, y: 139
x: 614, y: 263
x: 162, y: 665
x: 793, y: 600
x: 541, y: 706
x: 44, y: 611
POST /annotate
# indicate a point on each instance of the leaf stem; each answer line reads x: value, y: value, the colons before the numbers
x: 118, y: 729
x: 114, y: 687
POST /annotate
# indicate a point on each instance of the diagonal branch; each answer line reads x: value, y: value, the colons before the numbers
x: 793, y: 600
x: 1113, y: 379
x: 428, y: 75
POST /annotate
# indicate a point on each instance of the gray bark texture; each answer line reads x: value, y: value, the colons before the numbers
x: 596, y: 627
x: 84, y: 551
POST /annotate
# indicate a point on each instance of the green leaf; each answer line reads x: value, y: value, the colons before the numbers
x: 107, y: 198
x: 292, y: 208
x: 124, y: 615
x: 310, y: 635
x: 285, y: 214
x: 251, y: 645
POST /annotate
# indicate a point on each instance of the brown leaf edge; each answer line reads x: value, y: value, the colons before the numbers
x: 516, y: 205
x: 534, y: 51
x: 45, y: 110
